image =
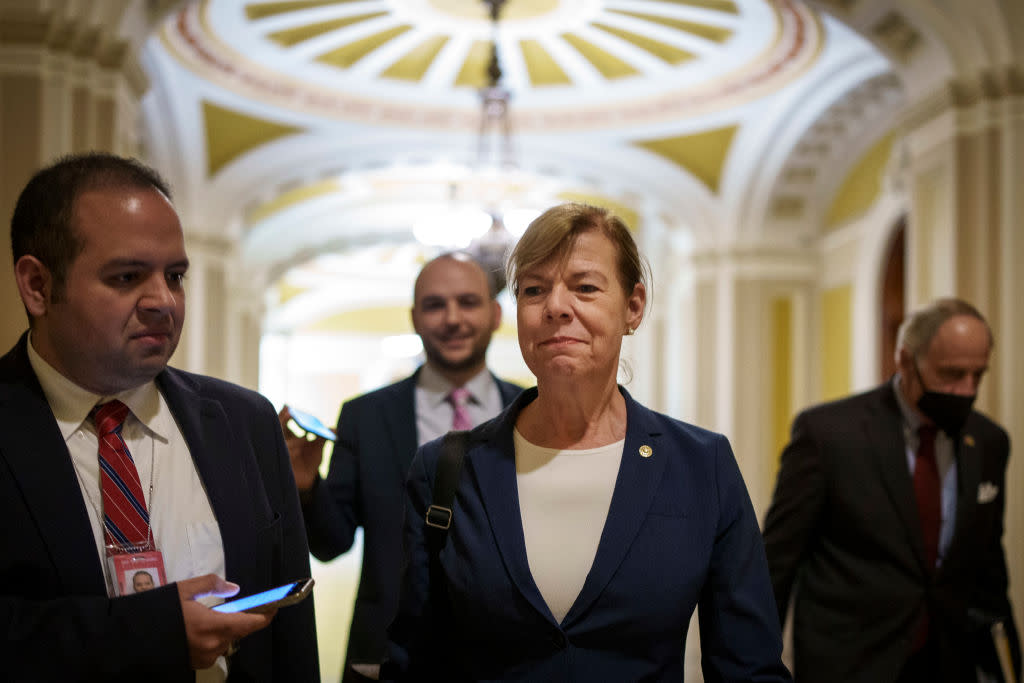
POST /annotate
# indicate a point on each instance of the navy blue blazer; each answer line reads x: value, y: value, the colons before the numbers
x: 59, y: 624
x: 680, y: 533
x: 365, y: 487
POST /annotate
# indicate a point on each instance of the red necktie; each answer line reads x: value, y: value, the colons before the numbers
x: 125, y: 518
x: 929, y: 509
x: 460, y: 418
x: 927, y: 492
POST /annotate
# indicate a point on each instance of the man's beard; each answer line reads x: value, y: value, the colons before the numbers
x: 475, y: 358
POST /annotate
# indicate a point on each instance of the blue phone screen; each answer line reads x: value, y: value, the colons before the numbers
x: 256, y: 600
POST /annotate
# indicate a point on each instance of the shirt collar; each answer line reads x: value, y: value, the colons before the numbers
x: 71, y: 403
x: 436, y: 388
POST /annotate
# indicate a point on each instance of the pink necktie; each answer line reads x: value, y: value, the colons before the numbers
x: 460, y: 417
x: 125, y: 518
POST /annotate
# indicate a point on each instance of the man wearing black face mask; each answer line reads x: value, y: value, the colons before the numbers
x: 887, y: 520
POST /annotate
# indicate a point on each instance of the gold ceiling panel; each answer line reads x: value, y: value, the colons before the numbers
x: 259, y: 10
x: 230, y: 134
x: 663, y: 51
x: 293, y: 36
x: 541, y: 66
x: 716, y: 34
x: 703, y: 155
x: 862, y: 185
x: 473, y: 73
x: 727, y: 6
x: 610, y: 66
x: 350, y: 53
x: 292, y: 197
x: 415, y: 63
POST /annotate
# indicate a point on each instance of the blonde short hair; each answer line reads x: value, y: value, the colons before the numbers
x: 553, y: 234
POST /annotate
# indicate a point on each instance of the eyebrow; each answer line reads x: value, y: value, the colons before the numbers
x: 139, y: 263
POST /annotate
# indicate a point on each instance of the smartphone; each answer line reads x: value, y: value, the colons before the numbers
x: 288, y: 594
x: 311, y: 424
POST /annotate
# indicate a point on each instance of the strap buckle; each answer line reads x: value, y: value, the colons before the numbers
x: 439, y: 517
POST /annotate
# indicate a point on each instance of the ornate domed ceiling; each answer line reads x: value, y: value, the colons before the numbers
x: 568, y: 63
x: 300, y: 127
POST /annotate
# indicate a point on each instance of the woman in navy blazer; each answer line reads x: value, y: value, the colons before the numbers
x: 586, y: 528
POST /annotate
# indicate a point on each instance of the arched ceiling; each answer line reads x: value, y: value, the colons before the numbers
x: 301, y: 126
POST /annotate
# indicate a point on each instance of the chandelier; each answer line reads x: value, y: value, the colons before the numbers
x: 476, y: 223
x: 492, y: 248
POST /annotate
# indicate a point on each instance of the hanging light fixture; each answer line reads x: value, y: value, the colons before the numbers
x: 473, y: 220
x: 492, y: 247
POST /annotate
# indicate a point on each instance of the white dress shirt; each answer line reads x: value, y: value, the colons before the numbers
x: 183, y: 525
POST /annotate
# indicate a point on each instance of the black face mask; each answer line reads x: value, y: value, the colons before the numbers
x: 948, y: 411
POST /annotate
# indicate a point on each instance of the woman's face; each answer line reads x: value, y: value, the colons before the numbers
x: 573, y: 312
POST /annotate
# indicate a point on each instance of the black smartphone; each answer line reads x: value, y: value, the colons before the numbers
x: 311, y: 424
x: 288, y: 594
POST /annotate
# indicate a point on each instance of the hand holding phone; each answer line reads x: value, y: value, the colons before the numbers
x: 311, y: 424
x: 282, y: 596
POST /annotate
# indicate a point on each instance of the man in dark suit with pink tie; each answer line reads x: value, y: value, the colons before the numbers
x: 454, y: 312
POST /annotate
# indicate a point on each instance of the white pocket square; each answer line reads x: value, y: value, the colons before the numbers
x: 987, y: 492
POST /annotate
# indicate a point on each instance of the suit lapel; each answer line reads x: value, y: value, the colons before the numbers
x: 883, y: 427
x: 39, y: 461
x: 968, y: 471
x: 637, y: 483
x: 206, y: 430
x: 493, y: 467
x: 400, y: 423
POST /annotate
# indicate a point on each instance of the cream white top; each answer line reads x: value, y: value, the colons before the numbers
x: 564, y: 496
x: 183, y: 525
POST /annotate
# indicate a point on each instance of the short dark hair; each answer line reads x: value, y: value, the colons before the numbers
x: 41, y: 224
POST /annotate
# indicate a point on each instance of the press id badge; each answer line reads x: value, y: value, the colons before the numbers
x: 136, y: 572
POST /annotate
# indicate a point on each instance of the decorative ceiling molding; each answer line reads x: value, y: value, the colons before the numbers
x: 807, y: 181
x: 897, y: 36
x: 378, y: 44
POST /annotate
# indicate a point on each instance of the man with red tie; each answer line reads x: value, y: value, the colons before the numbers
x: 887, y: 520
x: 113, y: 463
x: 454, y: 313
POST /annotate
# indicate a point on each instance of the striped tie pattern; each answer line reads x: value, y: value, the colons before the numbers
x: 460, y: 417
x: 125, y: 518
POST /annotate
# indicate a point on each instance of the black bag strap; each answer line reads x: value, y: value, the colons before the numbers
x: 446, y: 481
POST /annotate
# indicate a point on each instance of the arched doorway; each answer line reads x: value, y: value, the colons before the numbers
x: 893, y: 299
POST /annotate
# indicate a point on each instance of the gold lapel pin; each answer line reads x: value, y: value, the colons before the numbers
x: 646, y: 451
x: 969, y: 440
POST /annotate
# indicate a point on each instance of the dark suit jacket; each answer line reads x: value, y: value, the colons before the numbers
x: 843, y: 535
x: 365, y: 487
x: 680, y: 532
x: 59, y: 624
